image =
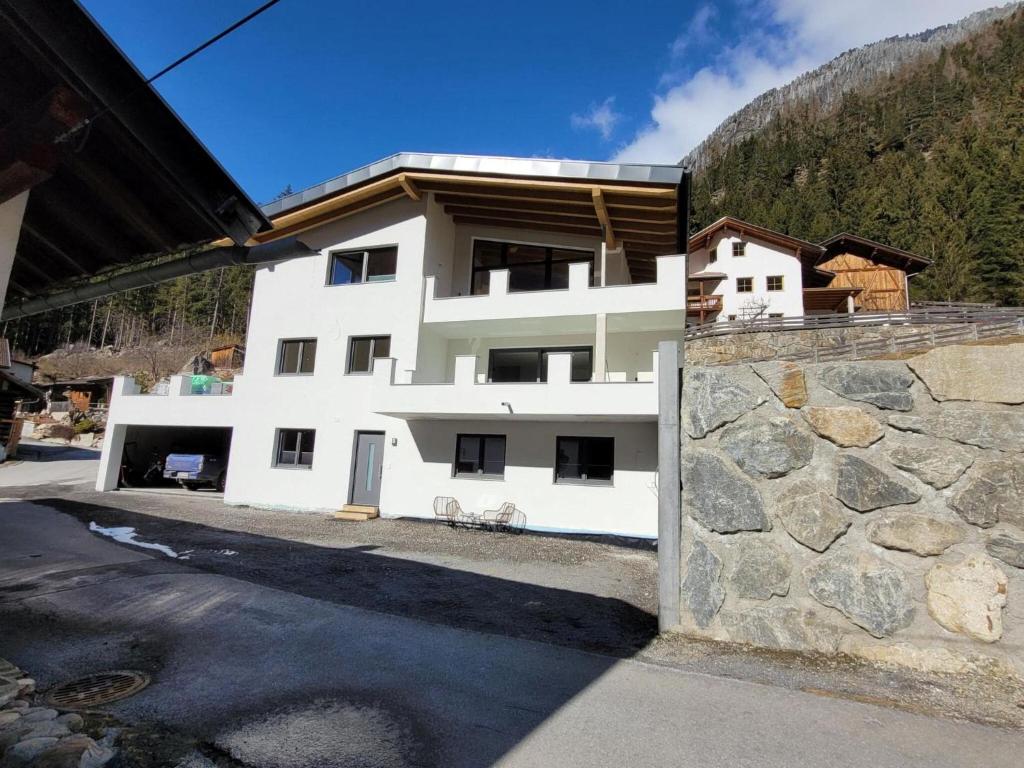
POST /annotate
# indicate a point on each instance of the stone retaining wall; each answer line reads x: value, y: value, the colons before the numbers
x: 872, y: 508
x: 771, y: 345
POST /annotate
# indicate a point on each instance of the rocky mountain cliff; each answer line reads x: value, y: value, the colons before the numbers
x: 823, y: 88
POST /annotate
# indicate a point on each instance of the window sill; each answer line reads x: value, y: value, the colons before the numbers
x: 284, y: 374
x: 489, y: 478
x: 368, y: 282
x: 304, y: 467
x: 596, y: 483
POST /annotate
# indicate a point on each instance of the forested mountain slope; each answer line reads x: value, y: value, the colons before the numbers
x: 930, y: 159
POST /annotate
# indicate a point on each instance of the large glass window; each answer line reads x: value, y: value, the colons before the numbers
x: 584, y: 460
x: 363, y: 350
x: 370, y: 266
x: 530, y: 267
x: 479, y: 456
x: 296, y: 356
x: 295, y: 448
x: 531, y: 364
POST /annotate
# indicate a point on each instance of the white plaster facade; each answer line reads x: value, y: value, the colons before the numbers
x: 760, y: 261
x: 433, y: 387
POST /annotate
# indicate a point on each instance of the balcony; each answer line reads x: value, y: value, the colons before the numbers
x: 696, y: 305
x: 177, y: 406
x: 643, y: 306
x: 557, y: 399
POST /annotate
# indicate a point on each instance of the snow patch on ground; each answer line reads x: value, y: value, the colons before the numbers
x: 127, y: 535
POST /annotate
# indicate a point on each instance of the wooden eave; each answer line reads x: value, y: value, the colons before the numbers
x: 846, y: 242
x: 729, y: 224
x: 639, y: 217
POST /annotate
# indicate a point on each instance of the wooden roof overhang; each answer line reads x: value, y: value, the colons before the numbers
x: 114, y: 177
x: 845, y: 242
x: 640, y: 217
x: 830, y: 299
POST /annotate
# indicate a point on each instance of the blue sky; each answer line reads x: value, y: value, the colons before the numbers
x: 313, y: 88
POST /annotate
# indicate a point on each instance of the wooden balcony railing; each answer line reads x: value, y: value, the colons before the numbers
x: 697, y: 304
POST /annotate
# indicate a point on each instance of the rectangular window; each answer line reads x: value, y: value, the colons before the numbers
x: 479, y: 456
x: 732, y: 317
x: 712, y: 254
x: 584, y: 460
x: 739, y: 249
x: 775, y: 314
x: 744, y: 285
x: 774, y: 282
x: 373, y: 265
x: 295, y: 448
x: 530, y: 267
x: 531, y: 364
x: 363, y: 350
x: 297, y: 356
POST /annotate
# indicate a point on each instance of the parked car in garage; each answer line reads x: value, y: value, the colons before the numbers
x: 195, y: 470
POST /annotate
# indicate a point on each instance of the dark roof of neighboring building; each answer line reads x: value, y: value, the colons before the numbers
x: 846, y: 242
x: 115, y: 177
x: 13, y: 381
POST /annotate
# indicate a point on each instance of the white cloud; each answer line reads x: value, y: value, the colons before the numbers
x: 699, y: 27
x: 600, y: 117
x: 804, y: 34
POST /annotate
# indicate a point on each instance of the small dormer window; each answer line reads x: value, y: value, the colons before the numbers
x: 739, y: 249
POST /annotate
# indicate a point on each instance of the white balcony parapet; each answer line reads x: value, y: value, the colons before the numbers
x: 559, y: 398
x: 178, y: 407
x: 666, y: 295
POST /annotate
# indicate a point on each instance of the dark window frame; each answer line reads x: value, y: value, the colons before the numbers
x: 584, y: 479
x: 541, y: 368
x: 712, y: 254
x: 745, y: 290
x: 479, y: 474
x: 366, y: 254
x: 302, y: 342
x: 373, y: 339
x: 739, y: 250
x: 549, y: 262
x: 279, y: 438
x: 782, y: 283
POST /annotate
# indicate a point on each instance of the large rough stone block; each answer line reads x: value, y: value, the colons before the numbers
x: 980, y: 373
x: 767, y: 447
x: 968, y: 597
x: 715, y: 396
x: 760, y: 570
x: 862, y: 486
x: 913, y: 532
x: 783, y: 627
x: 811, y: 516
x: 702, y: 590
x: 719, y: 496
x: 846, y: 426
x: 1002, y: 430
x: 883, y: 385
x: 868, y: 591
x: 786, y: 380
x: 1007, y: 548
x: 993, y: 493
x: 936, y: 462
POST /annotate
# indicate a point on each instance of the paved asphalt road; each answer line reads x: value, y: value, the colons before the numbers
x: 281, y: 679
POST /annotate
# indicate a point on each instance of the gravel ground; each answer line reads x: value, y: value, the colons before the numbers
x: 592, y: 594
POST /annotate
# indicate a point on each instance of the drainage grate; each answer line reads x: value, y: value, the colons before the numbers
x: 97, y: 689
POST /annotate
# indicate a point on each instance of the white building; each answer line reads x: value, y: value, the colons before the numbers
x: 470, y: 327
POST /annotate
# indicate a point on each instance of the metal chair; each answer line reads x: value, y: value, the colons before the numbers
x: 443, y: 510
x: 505, y: 518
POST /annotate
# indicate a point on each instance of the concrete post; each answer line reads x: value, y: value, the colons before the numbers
x: 670, y: 525
x: 11, y: 214
x: 600, y: 346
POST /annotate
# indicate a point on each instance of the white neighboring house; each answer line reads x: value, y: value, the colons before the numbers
x: 741, y: 271
x: 474, y: 327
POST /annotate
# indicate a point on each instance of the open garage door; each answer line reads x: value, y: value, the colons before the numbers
x: 199, y: 458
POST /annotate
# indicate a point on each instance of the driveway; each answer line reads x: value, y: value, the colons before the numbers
x: 39, y: 463
x: 270, y: 673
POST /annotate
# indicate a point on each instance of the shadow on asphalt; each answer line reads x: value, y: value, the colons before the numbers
x: 359, y: 577
x: 462, y: 704
x: 51, y: 452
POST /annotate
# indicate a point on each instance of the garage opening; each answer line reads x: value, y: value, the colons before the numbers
x: 188, y: 458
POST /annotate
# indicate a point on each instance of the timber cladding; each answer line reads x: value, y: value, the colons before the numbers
x: 885, y: 287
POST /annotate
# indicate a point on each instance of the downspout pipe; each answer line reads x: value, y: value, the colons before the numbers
x: 228, y: 256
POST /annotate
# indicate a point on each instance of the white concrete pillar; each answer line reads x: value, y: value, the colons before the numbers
x: 11, y: 214
x: 601, y: 347
x: 850, y: 307
x: 604, y: 264
x: 110, y: 458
